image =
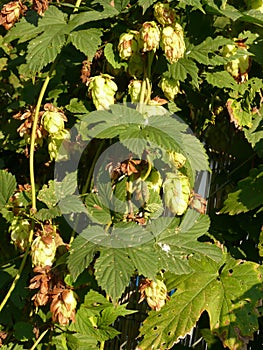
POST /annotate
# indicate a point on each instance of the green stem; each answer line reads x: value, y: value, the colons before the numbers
x: 148, y: 170
x: 77, y: 5
x: 142, y: 95
x: 33, y: 138
x: 39, y: 339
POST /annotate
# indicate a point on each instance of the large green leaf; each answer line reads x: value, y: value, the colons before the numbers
x: 81, y: 254
x: 7, y: 187
x: 113, y: 270
x: 45, y: 47
x: 87, y: 41
x: 248, y: 196
x: 228, y: 291
x: 145, y: 4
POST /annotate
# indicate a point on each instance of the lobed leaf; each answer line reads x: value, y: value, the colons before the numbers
x: 228, y: 293
x: 81, y: 254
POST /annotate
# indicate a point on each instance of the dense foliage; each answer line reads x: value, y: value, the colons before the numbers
x: 111, y: 112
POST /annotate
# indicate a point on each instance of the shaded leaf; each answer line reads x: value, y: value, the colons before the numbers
x: 81, y: 255
x: 87, y: 41
x: 222, y: 80
x: 249, y: 195
x: 7, y: 187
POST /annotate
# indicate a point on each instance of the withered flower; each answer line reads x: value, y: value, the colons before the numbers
x: 41, y: 281
x: 40, y: 6
x: 85, y: 72
x: 63, y: 306
x: 11, y: 13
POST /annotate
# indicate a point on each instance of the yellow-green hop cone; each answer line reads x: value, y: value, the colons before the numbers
x: 53, y: 122
x: 172, y: 42
x: 102, y: 89
x: 128, y: 44
x: 150, y: 35
x: 170, y: 87
x: 134, y: 90
x: 164, y: 14
x: 177, y: 159
x: 176, y: 188
x: 19, y: 230
x: 56, y: 149
x: 237, y: 67
x: 43, y: 251
x: 156, y: 294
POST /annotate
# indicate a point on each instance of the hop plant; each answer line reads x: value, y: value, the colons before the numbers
x: 155, y: 293
x: 134, y: 90
x: 150, y: 35
x: 63, y: 306
x: 170, y: 87
x: 53, y: 119
x: 172, y: 42
x: 19, y: 230
x: 102, y: 89
x: 43, y: 250
x: 128, y: 44
x: 164, y: 14
x: 176, y: 188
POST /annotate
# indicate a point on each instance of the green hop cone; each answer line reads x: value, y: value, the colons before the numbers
x: 170, y: 87
x: 164, y: 14
x: 150, y: 35
x: 177, y: 159
x: 134, y: 90
x: 43, y: 251
x: 128, y: 44
x: 135, y: 65
x: 102, y: 89
x: 156, y: 294
x: 19, y: 230
x: 53, y: 121
x: 176, y: 189
x: 56, y: 147
x: 238, y: 66
x: 172, y: 42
